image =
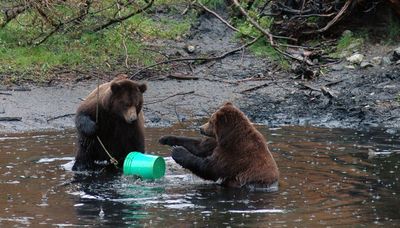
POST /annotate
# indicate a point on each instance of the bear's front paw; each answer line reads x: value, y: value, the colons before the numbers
x: 90, y: 128
x: 180, y: 154
x: 167, y: 140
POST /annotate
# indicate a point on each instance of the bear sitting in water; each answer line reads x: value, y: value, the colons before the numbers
x: 112, y: 115
x: 233, y: 152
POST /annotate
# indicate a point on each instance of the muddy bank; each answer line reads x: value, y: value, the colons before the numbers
x: 357, y: 98
x: 360, y: 99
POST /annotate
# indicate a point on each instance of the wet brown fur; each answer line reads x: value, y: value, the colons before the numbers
x: 114, y: 114
x: 239, y: 157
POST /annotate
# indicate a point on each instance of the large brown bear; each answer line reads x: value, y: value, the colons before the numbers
x: 234, y: 151
x: 113, y: 116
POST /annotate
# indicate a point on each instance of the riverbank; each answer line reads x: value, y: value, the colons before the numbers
x: 346, y: 96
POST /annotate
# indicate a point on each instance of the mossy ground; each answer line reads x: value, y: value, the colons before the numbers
x: 121, y: 46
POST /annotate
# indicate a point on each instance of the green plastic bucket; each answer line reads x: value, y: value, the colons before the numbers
x: 144, y: 165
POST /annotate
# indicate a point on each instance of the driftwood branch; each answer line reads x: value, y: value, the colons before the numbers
x: 6, y: 118
x: 61, y: 116
x: 256, y: 87
x: 173, y: 95
x: 254, y: 23
x: 266, y: 33
x: 182, y: 77
x: 337, y: 17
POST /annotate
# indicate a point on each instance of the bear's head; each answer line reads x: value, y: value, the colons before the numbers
x: 224, y: 121
x: 126, y: 99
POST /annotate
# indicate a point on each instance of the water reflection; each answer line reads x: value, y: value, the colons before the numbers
x: 328, y: 178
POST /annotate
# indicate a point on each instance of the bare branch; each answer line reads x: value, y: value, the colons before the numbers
x: 120, y: 19
x: 12, y: 13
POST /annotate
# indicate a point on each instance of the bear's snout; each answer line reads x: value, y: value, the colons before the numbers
x: 202, y: 131
x: 130, y: 115
x: 206, y: 130
x: 131, y: 119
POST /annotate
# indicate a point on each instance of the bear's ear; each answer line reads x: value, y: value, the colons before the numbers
x: 221, y: 118
x: 115, y: 87
x: 228, y: 103
x: 121, y: 76
x: 142, y: 87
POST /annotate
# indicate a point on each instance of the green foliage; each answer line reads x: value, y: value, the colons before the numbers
x: 313, y: 19
x: 394, y: 30
x: 347, y: 44
x: 213, y: 4
x: 263, y: 48
x: 22, y: 61
x: 246, y: 29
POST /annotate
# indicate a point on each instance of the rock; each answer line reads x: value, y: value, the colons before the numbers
x: 355, y: 59
x: 386, y: 61
x: 337, y: 67
x: 365, y: 64
x: 376, y: 60
x: 351, y: 67
x: 396, y: 54
x: 398, y: 62
x: 190, y: 48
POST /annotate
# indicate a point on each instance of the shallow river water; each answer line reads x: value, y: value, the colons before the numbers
x: 329, y: 178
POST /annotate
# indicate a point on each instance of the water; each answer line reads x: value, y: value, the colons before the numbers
x: 329, y: 177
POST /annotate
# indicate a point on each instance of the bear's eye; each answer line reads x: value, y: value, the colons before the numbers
x: 125, y: 104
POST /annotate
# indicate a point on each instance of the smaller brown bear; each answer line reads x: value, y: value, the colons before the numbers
x: 112, y: 113
x: 234, y: 152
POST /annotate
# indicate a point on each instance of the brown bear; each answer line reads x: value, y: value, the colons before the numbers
x: 234, y: 151
x: 111, y: 115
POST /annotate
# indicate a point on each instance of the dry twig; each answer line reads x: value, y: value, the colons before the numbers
x: 173, y: 95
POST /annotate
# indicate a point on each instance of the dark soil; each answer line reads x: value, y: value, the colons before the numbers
x: 362, y: 99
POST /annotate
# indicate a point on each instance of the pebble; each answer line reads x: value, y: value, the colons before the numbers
x: 190, y: 48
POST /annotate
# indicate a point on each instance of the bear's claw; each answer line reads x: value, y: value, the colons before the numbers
x: 179, y: 154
